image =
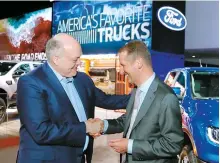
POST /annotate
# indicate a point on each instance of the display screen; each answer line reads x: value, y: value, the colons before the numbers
x: 24, y: 37
x: 103, y: 26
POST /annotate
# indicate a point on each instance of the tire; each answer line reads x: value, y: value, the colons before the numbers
x: 187, y: 155
x: 2, y: 110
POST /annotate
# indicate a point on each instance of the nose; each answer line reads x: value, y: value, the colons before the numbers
x: 79, y: 62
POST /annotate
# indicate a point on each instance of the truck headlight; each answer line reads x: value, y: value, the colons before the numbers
x: 213, y: 134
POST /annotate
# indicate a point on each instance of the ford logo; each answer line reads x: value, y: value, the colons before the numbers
x: 172, y: 18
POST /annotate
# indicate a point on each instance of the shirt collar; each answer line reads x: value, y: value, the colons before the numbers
x: 144, y: 87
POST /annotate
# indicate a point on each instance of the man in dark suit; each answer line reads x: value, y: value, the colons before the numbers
x: 55, y: 102
x: 152, y: 123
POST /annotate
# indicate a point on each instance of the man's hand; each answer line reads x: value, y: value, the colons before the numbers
x: 94, y: 127
x: 119, y: 145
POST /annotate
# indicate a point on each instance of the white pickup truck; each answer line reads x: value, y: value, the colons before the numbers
x: 10, y: 71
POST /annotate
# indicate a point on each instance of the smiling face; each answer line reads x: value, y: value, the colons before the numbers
x: 68, y: 60
x: 135, y: 62
x: 128, y: 67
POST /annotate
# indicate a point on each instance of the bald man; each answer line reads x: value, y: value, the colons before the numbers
x: 55, y: 102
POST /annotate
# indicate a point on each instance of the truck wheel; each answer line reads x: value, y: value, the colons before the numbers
x: 2, y: 110
x: 187, y: 155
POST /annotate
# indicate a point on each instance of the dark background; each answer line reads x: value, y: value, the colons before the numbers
x: 18, y: 8
x: 164, y: 39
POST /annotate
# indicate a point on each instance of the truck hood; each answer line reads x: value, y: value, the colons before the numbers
x: 208, y: 111
x: 2, y: 77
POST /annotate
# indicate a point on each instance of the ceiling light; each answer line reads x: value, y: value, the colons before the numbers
x: 193, y: 56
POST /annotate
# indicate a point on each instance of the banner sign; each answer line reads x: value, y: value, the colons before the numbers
x: 25, y: 57
x: 103, y: 26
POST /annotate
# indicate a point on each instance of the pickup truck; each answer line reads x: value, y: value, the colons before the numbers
x: 10, y: 71
x: 197, y: 89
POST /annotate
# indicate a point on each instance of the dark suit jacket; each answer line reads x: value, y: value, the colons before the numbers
x: 50, y: 130
x: 157, y: 130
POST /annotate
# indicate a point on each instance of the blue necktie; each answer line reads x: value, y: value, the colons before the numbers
x: 75, y: 100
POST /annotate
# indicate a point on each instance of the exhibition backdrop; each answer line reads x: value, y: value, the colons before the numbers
x: 24, y: 37
x: 104, y: 24
x: 102, y: 27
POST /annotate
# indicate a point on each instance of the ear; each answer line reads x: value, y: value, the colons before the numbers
x: 139, y: 63
x: 55, y: 59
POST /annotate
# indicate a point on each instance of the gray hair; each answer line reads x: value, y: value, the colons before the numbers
x: 53, y: 47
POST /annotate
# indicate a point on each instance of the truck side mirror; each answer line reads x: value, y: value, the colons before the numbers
x: 15, y: 75
x: 177, y: 92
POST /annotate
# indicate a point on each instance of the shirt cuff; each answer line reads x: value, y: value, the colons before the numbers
x: 105, y: 126
x: 130, y: 145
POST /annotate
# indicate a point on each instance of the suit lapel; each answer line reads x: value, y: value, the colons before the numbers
x: 55, y: 83
x: 81, y: 91
x: 147, y: 102
x: 129, y: 110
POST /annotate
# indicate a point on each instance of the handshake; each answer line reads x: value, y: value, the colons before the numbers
x: 94, y: 127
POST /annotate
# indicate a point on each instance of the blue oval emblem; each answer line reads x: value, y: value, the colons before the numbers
x: 172, y: 18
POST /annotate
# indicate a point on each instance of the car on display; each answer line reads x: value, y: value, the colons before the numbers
x: 197, y: 89
x: 10, y: 71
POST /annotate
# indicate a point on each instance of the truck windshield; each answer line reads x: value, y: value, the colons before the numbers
x: 5, y: 67
x: 205, y: 84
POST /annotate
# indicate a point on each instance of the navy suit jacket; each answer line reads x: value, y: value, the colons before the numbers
x: 50, y: 129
